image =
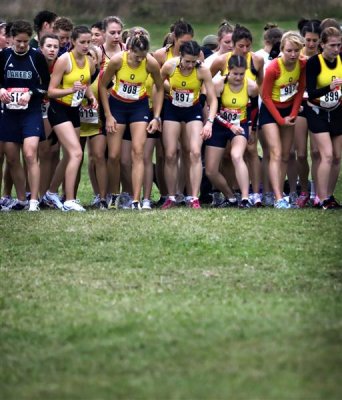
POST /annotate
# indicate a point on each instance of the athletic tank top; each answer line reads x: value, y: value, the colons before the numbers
x: 184, y: 90
x: 286, y: 86
x: 251, y: 72
x: 234, y: 105
x: 169, y: 53
x: 76, y: 74
x: 325, y: 77
x: 130, y: 83
x: 105, y: 58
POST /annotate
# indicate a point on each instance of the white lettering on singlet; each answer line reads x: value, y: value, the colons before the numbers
x: 19, y: 74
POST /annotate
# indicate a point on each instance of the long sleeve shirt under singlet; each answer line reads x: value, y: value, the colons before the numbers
x: 313, y: 69
x: 271, y: 75
x: 25, y: 71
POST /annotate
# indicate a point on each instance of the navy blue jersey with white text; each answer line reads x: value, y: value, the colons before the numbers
x: 28, y: 72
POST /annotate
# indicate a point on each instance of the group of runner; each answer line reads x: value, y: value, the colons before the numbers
x: 200, y: 109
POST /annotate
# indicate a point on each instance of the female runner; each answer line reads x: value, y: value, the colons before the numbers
x: 185, y: 75
x: 127, y: 104
x: 282, y: 94
x: 24, y: 78
x: 231, y: 124
x: 242, y: 42
x: 69, y: 84
x: 324, y: 113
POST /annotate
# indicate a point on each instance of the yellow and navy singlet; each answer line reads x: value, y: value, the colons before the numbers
x: 77, y: 73
x: 130, y: 83
x: 325, y: 77
x: 234, y: 105
x: 184, y: 90
x: 286, y: 85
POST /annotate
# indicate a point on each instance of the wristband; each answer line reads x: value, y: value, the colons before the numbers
x: 157, y: 119
x: 211, y: 120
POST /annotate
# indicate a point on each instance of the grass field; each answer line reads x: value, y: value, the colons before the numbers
x: 183, y: 304
x: 213, y: 304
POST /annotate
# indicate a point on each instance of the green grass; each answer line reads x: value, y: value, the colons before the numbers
x: 213, y: 304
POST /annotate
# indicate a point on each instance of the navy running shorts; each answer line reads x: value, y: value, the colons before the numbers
x: 58, y: 113
x: 221, y: 135
x: 15, y: 126
x: 182, y: 114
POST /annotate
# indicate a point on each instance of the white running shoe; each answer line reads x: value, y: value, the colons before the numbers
x: 72, y: 205
x: 146, y: 204
x: 52, y: 200
x: 33, y: 205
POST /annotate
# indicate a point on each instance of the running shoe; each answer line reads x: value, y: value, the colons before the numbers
x: 19, y: 205
x: 112, y: 201
x: 136, y: 206
x: 245, y: 203
x: 282, y: 204
x: 255, y: 199
x: 6, y: 201
x: 33, y: 205
x: 168, y: 204
x: 335, y: 203
x: 102, y: 205
x: 123, y: 201
x: 194, y: 203
x: 182, y: 200
x: 146, y: 204
x: 161, y: 201
x: 72, y: 205
x: 237, y: 195
x: 217, y: 198
x: 52, y: 200
x: 268, y: 199
x: 96, y: 201
x: 293, y: 197
x: 303, y: 200
x: 316, y: 203
x: 326, y: 205
x: 226, y: 203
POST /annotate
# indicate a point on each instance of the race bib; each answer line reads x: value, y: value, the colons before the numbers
x: 45, y: 106
x: 231, y: 115
x: 288, y: 91
x: 89, y: 115
x: 182, y: 98
x: 15, y: 94
x: 331, y: 99
x: 129, y: 91
x: 77, y: 98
